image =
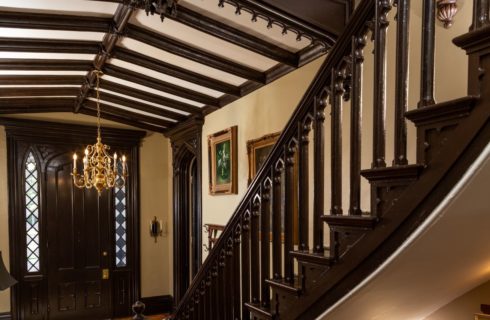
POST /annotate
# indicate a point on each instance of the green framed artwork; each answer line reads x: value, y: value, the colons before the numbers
x: 223, y: 166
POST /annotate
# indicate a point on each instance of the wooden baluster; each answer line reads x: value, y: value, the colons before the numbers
x: 245, y: 263
x: 401, y: 82
x: 216, y: 311
x: 303, y: 191
x: 481, y: 10
x: 254, y: 250
x: 223, y: 285
x: 379, y: 105
x: 277, y: 220
x: 202, y: 300
x: 336, y: 142
x: 289, y: 212
x: 229, y: 278
x: 358, y: 44
x: 237, y: 300
x: 209, y: 297
x: 428, y: 50
x: 265, y: 241
x: 319, y: 174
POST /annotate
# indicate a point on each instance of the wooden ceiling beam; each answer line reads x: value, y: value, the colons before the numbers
x: 39, y: 92
x: 108, y: 109
x: 22, y: 80
x: 174, y: 71
x: 48, y: 45
x: 150, y: 97
x: 184, y: 50
x: 29, y: 20
x: 35, y: 105
x: 122, y: 120
x: 45, y: 64
x: 119, y: 23
x: 160, y: 85
x: 226, y: 32
x: 138, y: 105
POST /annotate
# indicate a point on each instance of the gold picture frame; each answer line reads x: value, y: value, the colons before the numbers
x: 258, y: 150
x: 223, y: 165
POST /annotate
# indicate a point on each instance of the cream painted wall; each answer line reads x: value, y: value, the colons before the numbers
x: 264, y: 111
x: 465, y: 306
x: 155, y: 190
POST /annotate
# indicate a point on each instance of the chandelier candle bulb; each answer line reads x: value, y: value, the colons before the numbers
x: 75, y: 162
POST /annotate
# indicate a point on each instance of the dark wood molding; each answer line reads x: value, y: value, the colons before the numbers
x: 36, y: 91
x: 45, y: 64
x: 108, y: 109
x: 186, y: 51
x: 160, y: 85
x: 41, y: 79
x: 34, y: 105
x: 119, y: 23
x: 150, y: 97
x: 158, y: 304
x: 5, y: 316
x: 29, y: 20
x: 174, y: 71
x: 48, y: 45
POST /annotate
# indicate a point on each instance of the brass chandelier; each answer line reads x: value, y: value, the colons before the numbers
x: 100, y: 170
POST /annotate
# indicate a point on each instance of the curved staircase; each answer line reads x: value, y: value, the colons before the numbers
x: 287, y: 278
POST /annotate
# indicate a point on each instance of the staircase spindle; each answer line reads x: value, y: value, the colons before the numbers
x: 245, y: 263
x: 481, y: 11
x: 303, y: 192
x: 223, y: 285
x: 428, y: 50
x: 254, y: 251
x: 277, y: 221
x: 336, y: 141
x: 319, y: 173
x: 379, y: 104
x: 237, y: 299
x: 215, y: 291
x: 358, y: 43
x: 265, y: 241
x: 289, y: 212
x: 401, y: 84
x: 230, y: 267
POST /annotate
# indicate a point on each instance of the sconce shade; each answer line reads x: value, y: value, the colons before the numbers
x: 6, y: 280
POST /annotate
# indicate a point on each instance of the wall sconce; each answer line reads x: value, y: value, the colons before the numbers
x: 156, y: 228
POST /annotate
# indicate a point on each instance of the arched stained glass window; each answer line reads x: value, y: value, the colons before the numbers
x: 120, y: 205
x: 32, y: 213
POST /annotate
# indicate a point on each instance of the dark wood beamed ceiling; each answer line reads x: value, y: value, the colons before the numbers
x: 147, y: 82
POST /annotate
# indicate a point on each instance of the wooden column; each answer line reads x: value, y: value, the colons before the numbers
x: 276, y: 220
x: 428, y: 49
x: 319, y: 174
x: 265, y: 242
x: 336, y: 141
x: 289, y: 153
x: 303, y: 190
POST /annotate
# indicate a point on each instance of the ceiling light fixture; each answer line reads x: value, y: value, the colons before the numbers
x: 100, y: 170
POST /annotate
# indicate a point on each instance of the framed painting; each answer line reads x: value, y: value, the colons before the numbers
x: 223, y: 166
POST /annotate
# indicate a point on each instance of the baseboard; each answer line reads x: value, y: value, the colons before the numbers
x: 5, y: 316
x: 158, y: 304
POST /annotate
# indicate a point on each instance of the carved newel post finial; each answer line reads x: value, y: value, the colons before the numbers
x: 446, y: 10
x: 138, y: 309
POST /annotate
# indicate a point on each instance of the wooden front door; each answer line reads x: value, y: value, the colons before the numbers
x: 75, y: 254
x: 79, y: 246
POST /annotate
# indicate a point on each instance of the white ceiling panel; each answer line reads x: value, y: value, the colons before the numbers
x: 156, y: 53
x: 50, y: 34
x: 43, y: 72
x: 44, y: 55
x: 145, y: 102
x: 244, y: 23
x: 203, y: 41
x: 151, y: 90
x: 131, y: 110
x: 75, y: 7
x: 166, y: 78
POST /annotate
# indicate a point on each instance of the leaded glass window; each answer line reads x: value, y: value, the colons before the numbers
x: 32, y: 213
x: 121, y: 226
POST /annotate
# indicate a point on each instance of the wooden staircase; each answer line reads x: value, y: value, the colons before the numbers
x: 245, y: 277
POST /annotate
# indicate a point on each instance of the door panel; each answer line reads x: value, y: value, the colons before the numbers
x: 78, y: 235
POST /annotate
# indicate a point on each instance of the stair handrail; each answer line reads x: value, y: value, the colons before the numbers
x: 361, y: 16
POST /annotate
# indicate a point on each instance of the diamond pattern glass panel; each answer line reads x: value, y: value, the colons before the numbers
x: 120, y: 208
x: 32, y: 214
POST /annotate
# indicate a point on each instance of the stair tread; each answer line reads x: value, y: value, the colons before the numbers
x: 361, y: 221
x: 258, y: 309
x: 313, y: 257
x: 452, y: 109
x: 283, y: 284
x: 411, y: 171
